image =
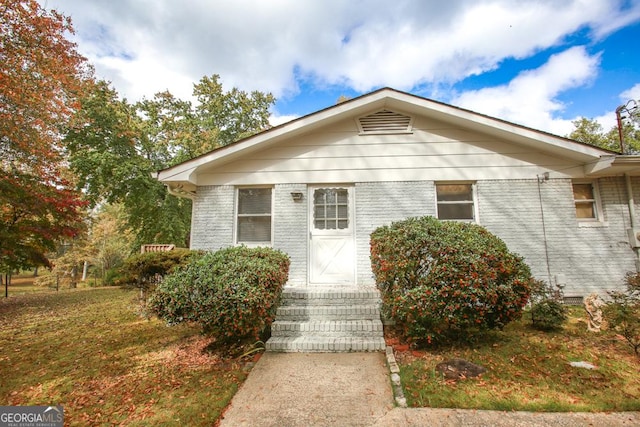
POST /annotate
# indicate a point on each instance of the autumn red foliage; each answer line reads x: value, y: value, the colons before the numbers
x: 41, y: 78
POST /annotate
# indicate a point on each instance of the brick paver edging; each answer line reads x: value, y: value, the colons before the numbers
x: 398, y: 393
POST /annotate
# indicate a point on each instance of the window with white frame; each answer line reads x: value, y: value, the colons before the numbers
x: 586, y: 201
x: 253, y: 222
x: 455, y: 201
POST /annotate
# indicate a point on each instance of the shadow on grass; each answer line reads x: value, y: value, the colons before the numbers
x: 87, y: 350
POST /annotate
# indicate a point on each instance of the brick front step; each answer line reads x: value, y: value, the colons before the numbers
x: 330, y: 328
x: 329, y: 312
x: 328, y: 319
x: 335, y: 297
x: 325, y: 344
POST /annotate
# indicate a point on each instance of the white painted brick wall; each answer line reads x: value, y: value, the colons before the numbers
x: 381, y: 203
x: 291, y: 233
x: 212, y: 219
x: 585, y: 259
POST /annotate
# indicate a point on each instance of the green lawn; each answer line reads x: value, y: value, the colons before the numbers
x: 529, y: 370
x: 87, y: 350
x: 23, y: 284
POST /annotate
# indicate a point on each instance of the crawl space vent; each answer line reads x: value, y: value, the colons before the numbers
x: 385, y: 121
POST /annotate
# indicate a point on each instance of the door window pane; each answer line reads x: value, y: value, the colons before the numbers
x: 331, y: 209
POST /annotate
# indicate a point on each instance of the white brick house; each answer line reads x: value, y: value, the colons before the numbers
x: 316, y: 188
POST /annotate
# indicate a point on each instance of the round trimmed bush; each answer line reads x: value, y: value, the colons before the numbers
x: 441, y: 278
x: 232, y: 293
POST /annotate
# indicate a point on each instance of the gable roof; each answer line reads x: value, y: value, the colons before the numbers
x: 183, y: 175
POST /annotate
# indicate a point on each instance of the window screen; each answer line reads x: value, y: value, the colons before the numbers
x: 455, y: 201
x: 585, y: 201
x: 254, y: 215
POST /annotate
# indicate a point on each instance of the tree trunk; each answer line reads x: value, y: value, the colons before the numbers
x: 85, y: 270
x: 74, y: 273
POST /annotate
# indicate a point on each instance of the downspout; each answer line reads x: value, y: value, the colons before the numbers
x: 541, y: 179
x: 632, y: 216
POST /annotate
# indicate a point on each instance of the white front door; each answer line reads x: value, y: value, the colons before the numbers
x: 332, y: 246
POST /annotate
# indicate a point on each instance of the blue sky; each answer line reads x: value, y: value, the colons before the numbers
x: 540, y: 63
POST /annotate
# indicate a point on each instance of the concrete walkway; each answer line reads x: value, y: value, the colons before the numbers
x: 354, y: 389
x: 313, y: 389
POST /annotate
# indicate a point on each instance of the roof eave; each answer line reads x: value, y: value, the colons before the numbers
x: 614, y: 165
x: 186, y: 172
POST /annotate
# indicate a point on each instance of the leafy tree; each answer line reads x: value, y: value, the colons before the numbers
x: 101, y: 142
x: 591, y: 132
x: 34, y: 216
x: 110, y: 240
x: 170, y: 130
x: 115, y: 147
x: 110, y: 153
x: 229, y: 116
x: 41, y: 76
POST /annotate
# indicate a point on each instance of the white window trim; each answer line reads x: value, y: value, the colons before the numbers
x: 474, y: 194
x: 598, y: 221
x: 236, y: 215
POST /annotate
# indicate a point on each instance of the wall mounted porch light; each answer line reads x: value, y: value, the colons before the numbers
x: 296, y: 196
x: 543, y: 178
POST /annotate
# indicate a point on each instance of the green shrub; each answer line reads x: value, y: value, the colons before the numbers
x: 232, y: 293
x: 440, y: 279
x: 144, y: 271
x: 548, y: 311
x: 548, y: 315
x: 622, y: 312
x: 113, y: 276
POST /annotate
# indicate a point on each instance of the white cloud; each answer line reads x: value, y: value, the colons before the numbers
x: 276, y: 120
x: 530, y: 98
x: 632, y: 93
x: 145, y: 46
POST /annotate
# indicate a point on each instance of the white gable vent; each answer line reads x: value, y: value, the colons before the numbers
x: 385, y: 121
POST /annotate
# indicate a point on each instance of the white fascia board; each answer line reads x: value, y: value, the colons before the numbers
x: 614, y: 165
